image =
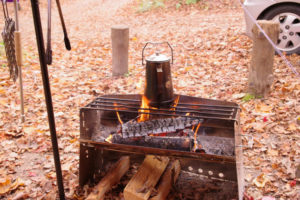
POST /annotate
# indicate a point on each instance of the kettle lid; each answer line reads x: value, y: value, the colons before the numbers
x: 157, y: 57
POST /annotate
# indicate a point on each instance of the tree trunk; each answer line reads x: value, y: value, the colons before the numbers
x: 261, y: 69
x: 120, y: 43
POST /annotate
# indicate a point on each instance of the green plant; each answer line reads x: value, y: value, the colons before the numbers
x: 145, y: 5
x: 129, y: 73
x: 1, y: 49
x: 158, y: 3
x: 248, y: 97
x: 191, y: 1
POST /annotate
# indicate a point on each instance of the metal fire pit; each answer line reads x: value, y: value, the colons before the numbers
x: 220, y: 120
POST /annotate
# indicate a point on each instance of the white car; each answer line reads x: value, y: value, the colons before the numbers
x: 286, y: 12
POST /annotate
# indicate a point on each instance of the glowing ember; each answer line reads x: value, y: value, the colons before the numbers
x: 144, y: 109
x: 195, y: 138
x: 109, y: 139
x: 118, y: 115
x: 159, y: 135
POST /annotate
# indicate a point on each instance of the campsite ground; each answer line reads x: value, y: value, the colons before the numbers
x: 212, y: 57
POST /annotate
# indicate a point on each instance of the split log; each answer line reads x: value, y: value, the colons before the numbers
x: 208, y: 144
x: 120, y: 44
x: 168, y: 180
x: 112, y: 177
x: 157, y: 126
x: 261, y: 69
x: 147, y: 176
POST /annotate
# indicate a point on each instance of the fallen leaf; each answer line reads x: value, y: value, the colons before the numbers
x: 7, y: 185
x: 272, y: 152
x: 268, y: 198
x: 292, y: 127
x: 260, y: 180
x: 293, y: 183
x: 263, y: 108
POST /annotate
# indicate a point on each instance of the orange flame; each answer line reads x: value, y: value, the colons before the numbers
x: 118, y: 115
x: 109, y: 139
x: 195, y: 138
x: 144, y: 108
x: 175, y: 103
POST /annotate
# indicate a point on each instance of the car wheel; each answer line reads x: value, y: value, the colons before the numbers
x: 288, y: 17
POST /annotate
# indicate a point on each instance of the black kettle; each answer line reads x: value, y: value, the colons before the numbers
x: 159, y: 88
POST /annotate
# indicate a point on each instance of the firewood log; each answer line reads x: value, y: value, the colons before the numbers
x: 209, y: 144
x: 143, y: 182
x: 112, y: 177
x: 168, y: 180
x: 157, y: 126
x: 174, y: 143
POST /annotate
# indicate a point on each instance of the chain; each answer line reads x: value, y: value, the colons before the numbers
x: 5, y: 10
x: 9, y: 42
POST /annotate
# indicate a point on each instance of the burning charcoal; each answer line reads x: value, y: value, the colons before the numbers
x: 172, y: 129
x: 188, y: 132
x: 144, y: 130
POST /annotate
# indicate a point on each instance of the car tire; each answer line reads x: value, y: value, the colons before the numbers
x: 285, y: 14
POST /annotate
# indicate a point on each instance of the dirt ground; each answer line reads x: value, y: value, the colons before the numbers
x: 212, y: 57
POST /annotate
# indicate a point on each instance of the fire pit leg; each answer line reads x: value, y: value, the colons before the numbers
x: 86, y: 164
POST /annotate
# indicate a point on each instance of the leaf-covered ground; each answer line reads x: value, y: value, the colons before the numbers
x: 212, y: 57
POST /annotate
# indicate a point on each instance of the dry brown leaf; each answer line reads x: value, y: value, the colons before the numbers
x: 263, y: 108
x: 272, y: 152
x: 260, y: 180
x: 292, y: 127
x: 7, y: 185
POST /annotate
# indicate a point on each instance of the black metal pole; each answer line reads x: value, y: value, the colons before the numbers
x: 47, y: 92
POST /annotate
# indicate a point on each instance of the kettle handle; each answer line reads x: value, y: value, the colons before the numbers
x: 156, y: 43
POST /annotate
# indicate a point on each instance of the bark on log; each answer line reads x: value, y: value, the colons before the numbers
x: 112, y: 177
x: 147, y: 176
x: 157, y: 126
x: 168, y: 180
x: 210, y: 144
x: 120, y: 44
x: 261, y: 69
x: 174, y: 143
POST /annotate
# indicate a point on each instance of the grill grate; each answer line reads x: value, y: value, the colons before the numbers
x: 195, y: 110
